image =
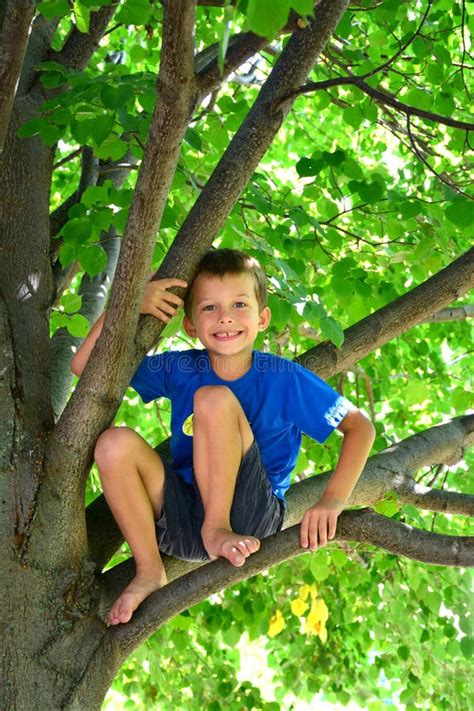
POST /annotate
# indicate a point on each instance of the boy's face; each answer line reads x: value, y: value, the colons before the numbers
x: 225, y: 313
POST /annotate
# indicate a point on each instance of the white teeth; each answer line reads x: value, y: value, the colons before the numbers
x: 227, y: 335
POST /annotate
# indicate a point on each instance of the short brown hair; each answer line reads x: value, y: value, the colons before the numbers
x: 219, y: 262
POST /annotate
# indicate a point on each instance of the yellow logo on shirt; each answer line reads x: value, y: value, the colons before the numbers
x: 188, y: 425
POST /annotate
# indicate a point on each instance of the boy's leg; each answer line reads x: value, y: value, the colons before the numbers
x: 132, y: 476
x: 221, y: 437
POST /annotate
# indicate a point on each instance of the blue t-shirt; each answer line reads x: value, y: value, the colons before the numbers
x: 280, y: 398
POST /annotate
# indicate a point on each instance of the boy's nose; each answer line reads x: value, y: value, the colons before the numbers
x: 225, y: 316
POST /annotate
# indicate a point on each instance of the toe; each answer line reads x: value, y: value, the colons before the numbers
x: 253, y: 544
x: 244, y: 548
x: 236, y: 557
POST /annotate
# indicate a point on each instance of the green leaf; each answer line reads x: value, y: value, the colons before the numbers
x: 416, y: 392
x: 112, y: 147
x: 308, y: 166
x: 138, y: 53
x: 31, y: 128
x: 319, y: 567
x: 332, y: 330
x: 467, y: 647
x: 134, y: 12
x: 303, y: 7
x: 82, y: 130
x: 95, y: 194
x: 101, y: 128
x: 266, y: 17
x: 313, y: 312
x: 53, y: 8
x: 93, y: 259
x: 193, y: 138
x: 403, y: 652
x: 226, y: 30
x: 370, y: 192
x: 71, y: 303
x: 114, y: 96
x: 103, y: 218
x: 67, y: 254
x: 51, y: 80
x: 353, y: 116
x: 281, y: 310
x: 50, y: 134
x: 232, y: 635
x: 460, y: 213
x: 82, y: 16
x: 77, y: 231
x: 389, y: 505
x: 78, y: 326
x: 147, y: 100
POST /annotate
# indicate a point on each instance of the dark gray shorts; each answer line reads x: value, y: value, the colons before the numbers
x: 256, y: 511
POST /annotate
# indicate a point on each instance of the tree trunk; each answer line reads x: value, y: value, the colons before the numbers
x: 56, y: 651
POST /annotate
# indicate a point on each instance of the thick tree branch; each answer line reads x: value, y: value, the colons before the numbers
x: 429, y: 499
x: 59, y: 217
x: 364, y: 526
x: 80, y: 46
x: 391, y: 469
x: 101, y: 386
x: 241, y: 48
x: 381, y: 96
x: 393, y: 319
x: 13, y: 43
x: 456, y: 313
x: 244, y: 153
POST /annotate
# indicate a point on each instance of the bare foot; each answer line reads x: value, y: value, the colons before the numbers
x: 222, y: 543
x: 136, y: 591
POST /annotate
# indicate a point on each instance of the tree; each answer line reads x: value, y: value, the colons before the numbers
x: 97, y: 144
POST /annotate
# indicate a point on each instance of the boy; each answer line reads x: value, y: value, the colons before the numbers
x: 237, y: 418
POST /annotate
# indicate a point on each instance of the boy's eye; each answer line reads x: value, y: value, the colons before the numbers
x: 240, y: 304
x: 209, y: 307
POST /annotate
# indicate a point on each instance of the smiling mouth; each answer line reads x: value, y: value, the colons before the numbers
x: 227, y: 336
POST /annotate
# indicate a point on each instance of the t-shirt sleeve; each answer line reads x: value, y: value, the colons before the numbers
x: 313, y: 405
x: 152, y: 378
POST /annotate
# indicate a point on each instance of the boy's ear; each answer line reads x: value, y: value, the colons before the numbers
x: 189, y: 327
x: 264, y: 319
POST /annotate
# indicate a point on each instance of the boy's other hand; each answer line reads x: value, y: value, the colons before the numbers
x: 319, y: 523
x: 159, y: 302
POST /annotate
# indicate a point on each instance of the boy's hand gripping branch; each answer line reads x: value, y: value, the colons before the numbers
x: 319, y: 522
x: 159, y: 302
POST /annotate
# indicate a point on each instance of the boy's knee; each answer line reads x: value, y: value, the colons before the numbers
x: 212, y: 400
x: 112, y: 443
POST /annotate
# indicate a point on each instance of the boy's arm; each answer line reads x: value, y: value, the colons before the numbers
x: 319, y: 521
x: 157, y: 301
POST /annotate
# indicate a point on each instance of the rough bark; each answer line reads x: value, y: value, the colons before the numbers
x: 15, y: 29
x: 99, y: 390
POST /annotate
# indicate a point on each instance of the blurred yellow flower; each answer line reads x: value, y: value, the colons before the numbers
x: 276, y: 624
x: 298, y: 607
x: 317, y: 618
x: 306, y: 590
